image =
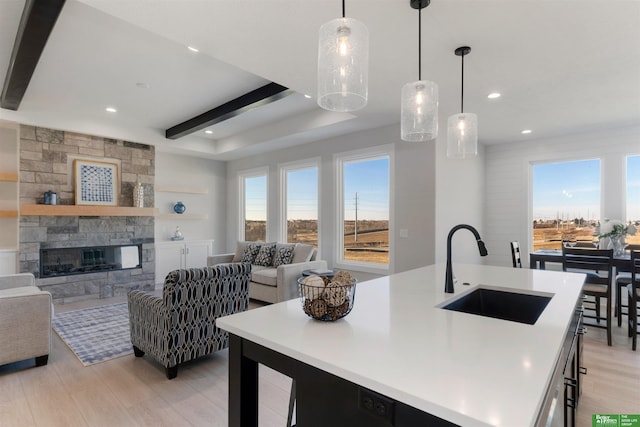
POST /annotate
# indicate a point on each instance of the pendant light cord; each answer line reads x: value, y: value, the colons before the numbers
x: 419, y: 44
x: 343, y: 8
x: 462, y: 87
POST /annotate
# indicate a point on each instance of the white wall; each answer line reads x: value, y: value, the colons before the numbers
x: 413, y: 193
x: 459, y: 200
x: 190, y: 172
x: 508, y: 187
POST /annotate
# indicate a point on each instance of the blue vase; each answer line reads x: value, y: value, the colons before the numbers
x: 179, y: 208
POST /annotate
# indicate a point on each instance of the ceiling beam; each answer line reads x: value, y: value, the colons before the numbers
x: 38, y: 19
x: 256, y: 98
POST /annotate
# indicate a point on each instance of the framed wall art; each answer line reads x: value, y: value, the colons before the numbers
x: 96, y: 183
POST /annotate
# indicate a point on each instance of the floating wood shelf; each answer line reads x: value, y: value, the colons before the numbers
x: 186, y: 190
x: 182, y: 216
x: 8, y: 213
x: 85, y: 210
x: 8, y: 176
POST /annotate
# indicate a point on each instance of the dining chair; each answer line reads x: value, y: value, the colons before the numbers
x: 597, y: 264
x: 515, y: 254
x: 623, y: 279
x: 633, y: 289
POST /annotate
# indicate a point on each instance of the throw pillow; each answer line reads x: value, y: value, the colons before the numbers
x: 250, y: 253
x: 240, y: 247
x: 303, y: 253
x: 265, y: 256
x: 284, y: 255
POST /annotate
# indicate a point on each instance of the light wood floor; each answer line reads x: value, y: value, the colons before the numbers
x: 135, y: 392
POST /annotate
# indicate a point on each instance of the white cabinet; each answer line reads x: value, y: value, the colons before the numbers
x: 181, y: 254
x: 8, y: 261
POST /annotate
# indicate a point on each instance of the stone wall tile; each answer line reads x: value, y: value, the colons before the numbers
x: 96, y: 152
x: 76, y: 136
x: 27, y: 176
x: 51, y: 178
x: 29, y: 221
x: 64, y: 148
x: 27, y: 145
x: 129, y: 177
x: 141, y: 162
x: 27, y: 132
x: 144, y: 154
x: 35, y: 166
x: 33, y: 234
x: 50, y: 156
x: 60, y: 168
x: 106, y: 291
x: 50, y: 136
x: 59, y: 221
x: 31, y: 155
x: 117, y: 152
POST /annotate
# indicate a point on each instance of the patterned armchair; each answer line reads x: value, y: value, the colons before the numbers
x: 180, y: 326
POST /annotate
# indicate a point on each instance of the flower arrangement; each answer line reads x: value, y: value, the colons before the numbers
x: 615, y: 228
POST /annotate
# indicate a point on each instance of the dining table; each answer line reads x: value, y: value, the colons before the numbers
x: 539, y: 258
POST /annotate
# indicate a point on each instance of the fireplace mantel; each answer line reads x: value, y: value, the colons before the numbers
x: 84, y: 210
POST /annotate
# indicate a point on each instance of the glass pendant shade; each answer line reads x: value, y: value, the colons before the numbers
x: 419, y: 111
x: 343, y: 65
x: 462, y: 135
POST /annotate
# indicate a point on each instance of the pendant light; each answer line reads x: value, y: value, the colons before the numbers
x: 462, y: 129
x: 419, y: 108
x: 343, y: 63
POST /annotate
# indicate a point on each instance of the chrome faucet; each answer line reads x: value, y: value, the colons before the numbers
x: 448, y: 284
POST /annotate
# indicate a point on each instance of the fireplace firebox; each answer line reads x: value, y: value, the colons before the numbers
x: 82, y: 260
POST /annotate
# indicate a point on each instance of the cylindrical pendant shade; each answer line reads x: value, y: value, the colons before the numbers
x: 343, y: 64
x: 462, y: 135
x: 419, y: 116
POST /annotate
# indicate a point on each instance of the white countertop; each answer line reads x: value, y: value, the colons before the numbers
x: 467, y: 369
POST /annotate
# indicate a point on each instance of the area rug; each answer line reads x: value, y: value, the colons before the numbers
x: 96, y: 334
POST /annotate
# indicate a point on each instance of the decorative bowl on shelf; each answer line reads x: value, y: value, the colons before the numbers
x: 179, y: 208
x: 327, y: 298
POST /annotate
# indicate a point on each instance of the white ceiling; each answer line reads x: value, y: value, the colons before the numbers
x: 562, y: 66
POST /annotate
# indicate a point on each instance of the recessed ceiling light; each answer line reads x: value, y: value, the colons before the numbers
x: 193, y: 49
x: 307, y: 96
x: 526, y: 131
x: 111, y: 109
x: 208, y: 131
x: 493, y: 95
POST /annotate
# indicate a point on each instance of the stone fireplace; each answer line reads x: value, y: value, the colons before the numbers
x: 74, y: 257
x: 47, y: 233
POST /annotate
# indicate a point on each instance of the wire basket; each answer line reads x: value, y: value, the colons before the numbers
x: 325, y: 300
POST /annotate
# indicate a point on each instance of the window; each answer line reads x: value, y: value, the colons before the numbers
x: 364, y: 183
x: 254, y: 205
x: 633, y: 196
x: 300, y: 203
x: 566, y: 202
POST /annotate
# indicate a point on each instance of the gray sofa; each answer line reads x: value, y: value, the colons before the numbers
x: 278, y: 283
x: 25, y: 320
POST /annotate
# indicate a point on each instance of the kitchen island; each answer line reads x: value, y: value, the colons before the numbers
x: 400, y: 358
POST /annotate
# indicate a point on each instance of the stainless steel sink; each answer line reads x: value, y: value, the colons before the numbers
x: 505, y: 305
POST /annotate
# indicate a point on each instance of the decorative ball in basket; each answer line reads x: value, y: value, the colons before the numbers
x: 327, y: 298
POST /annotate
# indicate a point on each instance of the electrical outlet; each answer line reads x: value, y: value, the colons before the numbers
x: 376, y: 404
